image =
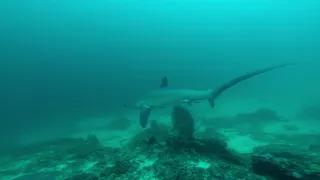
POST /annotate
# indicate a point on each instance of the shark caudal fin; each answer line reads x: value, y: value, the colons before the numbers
x: 218, y: 91
x: 144, y: 116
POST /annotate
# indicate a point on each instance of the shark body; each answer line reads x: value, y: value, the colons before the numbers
x: 167, y: 97
x: 164, y: 96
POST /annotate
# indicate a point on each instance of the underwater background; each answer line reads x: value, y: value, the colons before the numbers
x: 67, y: 67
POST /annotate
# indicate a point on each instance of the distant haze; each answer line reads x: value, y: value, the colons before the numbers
x: 68, y: 59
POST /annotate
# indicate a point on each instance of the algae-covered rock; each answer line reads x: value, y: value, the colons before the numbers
x: 285, y: 162
x: 182, y: 138
x: 159, y: 130
x: 88, y: 146
x: 214, y: 147
x: 259, y: 116
x: 51, y: 175
x: 83, y: 176
x: 182, y: 122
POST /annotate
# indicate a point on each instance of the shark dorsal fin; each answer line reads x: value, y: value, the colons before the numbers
x: 164, y: 82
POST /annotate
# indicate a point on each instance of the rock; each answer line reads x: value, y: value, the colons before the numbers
x: 55, y: 144
x: 119, y: 124
x: 314, y: 147
x: 144, y: 140
x: 188, y: 167
x: 311, y: 112
x: 182, y: 122
x: 83, y: 176
x: 259, y: 116
x: 158, y: 130
x: 290, y: 127
x: 58, y: 149
x: 89, y: 145
x: 285, y: 162
x: 49, y: 175
x: 121, y: 167
x: 213, y: 146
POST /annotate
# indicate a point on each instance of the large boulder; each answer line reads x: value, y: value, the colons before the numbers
x: 182, y: 122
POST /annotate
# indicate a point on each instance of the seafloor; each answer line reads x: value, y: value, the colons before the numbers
x: 183, y: 144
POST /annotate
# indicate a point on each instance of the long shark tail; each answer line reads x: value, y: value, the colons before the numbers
x: 218, y: 91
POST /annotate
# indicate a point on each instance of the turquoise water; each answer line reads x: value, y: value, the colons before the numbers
x: 67, y: 66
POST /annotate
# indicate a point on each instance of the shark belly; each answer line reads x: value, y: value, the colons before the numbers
x: 172, y: 97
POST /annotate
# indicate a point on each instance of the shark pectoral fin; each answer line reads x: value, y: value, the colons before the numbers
x: 211, y: 102
x: 129, y: 106
x: 186, y: 101
x: 144, y: 116
x: 189, y: 103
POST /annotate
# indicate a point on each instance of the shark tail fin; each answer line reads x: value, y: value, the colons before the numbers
x: 218, y: 91
x: 144, y: 116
